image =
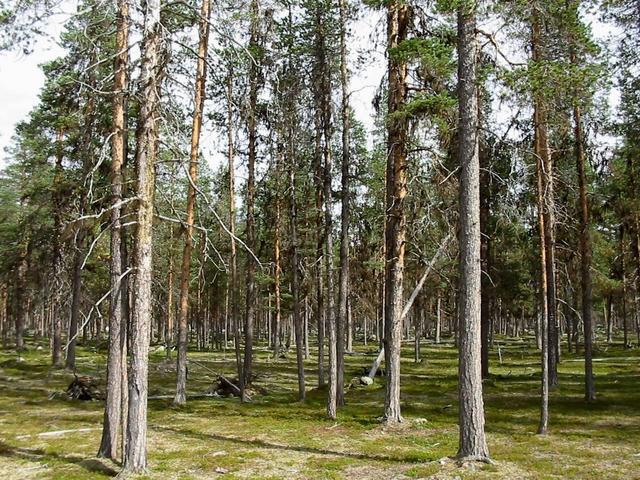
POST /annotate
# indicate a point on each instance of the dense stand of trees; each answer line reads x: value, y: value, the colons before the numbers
x: 228, y: 133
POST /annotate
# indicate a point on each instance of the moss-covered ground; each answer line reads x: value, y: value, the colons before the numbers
x: 275, y: 437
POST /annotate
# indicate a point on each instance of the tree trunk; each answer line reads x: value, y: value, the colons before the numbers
x: 151, y: 68
x: 438, y: 318
x: 472, y: 443
x: 585, y: 252
x: 169, y: 340
x: 233, y: 258
x: 79, y: 243
x: 635, y: 247
x: 485, y: 254
x: 625, y: 322
x: 277, y: 317
x: 113, y: 408
x: 328, y: 254
x: 343, y: 287
x: 56, y: 347
x: 540, y: 151
x: 76, y: 290
x: 185, y: 271
x: 21, y: 294
x: 546, y: 171
x: 395, y: 221
x: 250, y: 313
x: 295, y: 287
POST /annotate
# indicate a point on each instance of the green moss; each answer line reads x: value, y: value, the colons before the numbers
x: 277, y: 437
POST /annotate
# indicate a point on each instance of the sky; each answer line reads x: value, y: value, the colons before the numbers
x: 21, y: 77
x: 21, y: 80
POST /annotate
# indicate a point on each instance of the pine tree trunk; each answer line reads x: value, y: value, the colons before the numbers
x: 585, y: 254
x: 295, y: 286
x: 76, y: 290
x: 320, y: 309
x: 485, y: 255
x: 185, y: 271
x: 233, y: 258
x: 135, y: 457
x: 79, y: 244
x: 328, y: 253
x: 540, y: 150
x: 623, y: 273
x: 438, y: 318
x: 4, y: 317
x: 113, y: 408
x: 169, y: 340
x: 56, y: 350
x: 21, y: 295
x: 395, y: 221
x: 545, y: 170
x: 635, y: 247
x: 343, y: 287
x: 277, y: 317
x: 250, y: 313
x: 472, y: 444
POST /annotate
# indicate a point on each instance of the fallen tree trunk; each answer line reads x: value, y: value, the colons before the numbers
x: 405, y: 311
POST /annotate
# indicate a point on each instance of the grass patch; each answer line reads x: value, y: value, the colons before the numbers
x: 277, y: 437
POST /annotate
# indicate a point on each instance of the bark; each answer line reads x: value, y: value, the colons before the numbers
x: 417, y: 331
x: 343, y: 282
x: 21, y: 295
x: 320, y: 310
x: 328, y: 254
x: 485, y: 258
x: 395, y: 221
x: 76, y: 290
x: 56, y: 347
x: 323, y: 161
x: 585, y: 254
x: 135, y: 457
x: 277, y: 317
x: 472, y: 443
x: 79, y: 250
x: 608, y: 310
x: 635, y: 247
x: 4, y: 316
x: 295, y: 282
x: 547, y: 188
x: 233, y: 259
x: 116, y: 360
x: 170, y: 302
x: 438, y: 318
x: 250, y: 313
x: 540, y: 151
x: 185, y: 271
x: 623, y: 273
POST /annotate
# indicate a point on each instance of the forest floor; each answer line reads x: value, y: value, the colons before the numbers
x: 276, y: 437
